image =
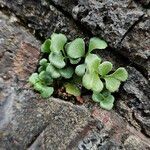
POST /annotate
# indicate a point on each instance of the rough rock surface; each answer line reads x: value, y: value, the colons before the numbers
x: 134, y: 103
x: 29, y: 122
x: 23, y: 115
x: 43, y: 19
x: 111, y: 20
x: 122, y: 23
x: 145, y: 3
x: 104, y: 17
x: 137, y: 44
x: 15, y: 42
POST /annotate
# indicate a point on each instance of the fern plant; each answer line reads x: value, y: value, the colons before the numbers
x: 72, y: 63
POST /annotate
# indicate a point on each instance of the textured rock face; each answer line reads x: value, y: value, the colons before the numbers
x: 127, y: 27
x: 23, y: 116
x: 145, y: 3
x: 104, y: 17
x: 29, y: 122
x: 136, y: 43
x: 111, y: 20
x: 43, y: 19
x: 135, y: 104
x: 14, y: 42
x: 118, y: 22
x: 17, y: 49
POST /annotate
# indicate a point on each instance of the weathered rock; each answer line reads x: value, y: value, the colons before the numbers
x: 114, y: 21
x: 16, y: 61
x: 27, y: 121
x: 23, y: 115
x: 47, y: 27
x: 137, y: 45
x: 134, y: 103
x: 16, y: 42
x: 65, y: 122
x: 16, y: 64
x: 115, y: 134
x: 108, y: 19
x: 42, y: 18
x: 31, y: 116
x: 133, y: 143
x: 98, y: 140
x: 145, y: 3
x: 105, y: 131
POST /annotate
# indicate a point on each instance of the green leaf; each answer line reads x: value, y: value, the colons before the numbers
x: 87, y: 81
x: 92, y: 61
x: 41, y: 68
x: 44, y: 90
x: 96, y: 43
x: 34, y: 78
x: 105, y: 68
x: 57, y: 42
x: 43, y: 62
x: 45, y: 77
x: 112, y: 84
x: 74, y: 61
x: 72, y: 89
x: 80, y: 69
x: 57, y: 60
x: 120, y: 74
x: 106, y: 93
x: 66, y: 46
x: 47, y: 92
x: 105, y: 99
x: 45, y: 48
x: 38, y: 86
x: 76, y: 48
x: 42, y: 75
x: 107, y: 103
x: 97, y: 97
x: 97, y: 83
x: 92, y: 81
x: 52, y: 71
x: 66, y: 72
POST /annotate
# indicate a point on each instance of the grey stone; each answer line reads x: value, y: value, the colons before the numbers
x: 145, y: 3
x: 42, y: 18
x: 16, y: 41
x: 133, y: 143
x: 137, y: 45
x: 115, y: 133
x: 23, y: 114
x: 27, y: 121
x: 65, y: 122
x: 97, y: 140
x: 108, y: 19
x: 134, y: 103
x: 115, y: 21
x: 57, y: 120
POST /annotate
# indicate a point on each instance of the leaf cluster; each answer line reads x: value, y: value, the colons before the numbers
x: 72, y: 63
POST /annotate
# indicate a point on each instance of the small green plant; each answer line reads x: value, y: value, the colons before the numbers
x: 73, y: 65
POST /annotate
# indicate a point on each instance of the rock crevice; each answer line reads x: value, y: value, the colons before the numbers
x: 27, y: 121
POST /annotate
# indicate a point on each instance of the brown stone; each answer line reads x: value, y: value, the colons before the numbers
x: 25, y: 61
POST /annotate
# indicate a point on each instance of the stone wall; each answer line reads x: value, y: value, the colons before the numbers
x: 29, y: 122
